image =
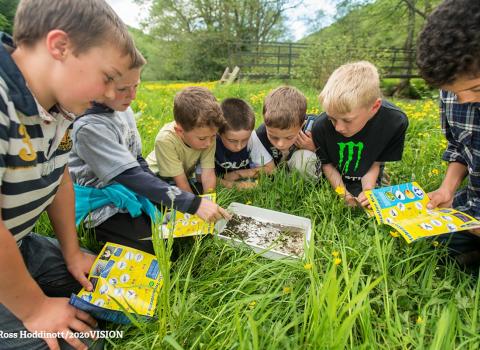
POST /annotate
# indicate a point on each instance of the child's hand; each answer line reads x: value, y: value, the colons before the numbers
x: 350, y: 200
x: 210, y: 211
x: 363, y: 201
x: 79, y: 264
x: 54, y: 315
x: 244, y: 185
x: 305, y: 141
x: 441, y: 198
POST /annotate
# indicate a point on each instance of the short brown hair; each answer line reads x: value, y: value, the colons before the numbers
x: 284, y: 107
x: 350, y: 86
x: 196, y: 107
x: 238, y: 115
x: 88, y: 23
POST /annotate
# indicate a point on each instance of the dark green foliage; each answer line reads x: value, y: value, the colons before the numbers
x: 7, y: 14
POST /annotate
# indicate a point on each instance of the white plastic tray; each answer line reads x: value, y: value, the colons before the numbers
x: 269, y: 216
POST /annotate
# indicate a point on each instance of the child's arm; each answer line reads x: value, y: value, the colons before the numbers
x: 249, y: 173
x: 443, y: 196
x: 22, y: 296
x: 209, y: 180
x: 335, y: 179
x: 181, y: 182
x: 62, y: 216
x: 369, y: 180
x: 305, y: 141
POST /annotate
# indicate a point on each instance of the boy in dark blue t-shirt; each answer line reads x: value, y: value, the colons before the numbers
x: 238, y: 156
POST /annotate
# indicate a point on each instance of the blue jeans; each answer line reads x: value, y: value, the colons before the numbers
x: 44, y: 261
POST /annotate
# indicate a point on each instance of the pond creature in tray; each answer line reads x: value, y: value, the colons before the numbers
x: 287, y: 240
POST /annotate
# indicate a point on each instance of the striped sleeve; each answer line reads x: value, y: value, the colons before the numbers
x: 4, y: 127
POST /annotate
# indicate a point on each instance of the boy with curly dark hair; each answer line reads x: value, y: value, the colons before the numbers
x: 449, y: 58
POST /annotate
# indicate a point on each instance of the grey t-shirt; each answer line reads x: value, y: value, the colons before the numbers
x: 95, y: 163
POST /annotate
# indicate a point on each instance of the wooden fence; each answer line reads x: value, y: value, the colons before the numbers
x: 284, y: 60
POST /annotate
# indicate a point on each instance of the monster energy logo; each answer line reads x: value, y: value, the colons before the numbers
x: 350, y: 146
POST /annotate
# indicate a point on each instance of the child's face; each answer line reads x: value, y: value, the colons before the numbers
x: 198, y: 138
x: 283, y: 139
x: 90, y: 76
x: 235, y: 140
x: 351, y: 123
x: 125, y: 90
x: 467, y: 89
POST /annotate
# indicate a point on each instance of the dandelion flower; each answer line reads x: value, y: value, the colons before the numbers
x: 337, y: 261
x: 286, y: 290
x: 394, y: 234
x: 435, y: 171
x: 335, y: 253
x: 308, y: 266
x: 340, y: 190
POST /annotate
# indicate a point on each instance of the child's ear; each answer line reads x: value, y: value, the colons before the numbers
x: 58, y: 44
x: 178, y: 129
x: 376, y: 105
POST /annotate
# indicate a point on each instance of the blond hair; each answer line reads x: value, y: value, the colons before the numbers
x: 352, y: 85
x: 284, y: 107
x: 196, y: 107
x: 88, y: 23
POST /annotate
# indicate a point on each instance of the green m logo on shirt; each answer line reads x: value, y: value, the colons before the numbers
x: 344, y: 160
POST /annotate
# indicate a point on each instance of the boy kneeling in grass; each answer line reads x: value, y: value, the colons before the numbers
x: 65, y: 54
x: 189, y: 142
x: 285, y: 124
x: 448, y: 56
x: 239, y: 156
x: 358, y: 131
x: 111, y: 175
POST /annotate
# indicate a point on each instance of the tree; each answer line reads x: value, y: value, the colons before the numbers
x: 7, y: 14
x: 204, y: 29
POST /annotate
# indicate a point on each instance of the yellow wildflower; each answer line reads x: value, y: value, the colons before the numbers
x: 435, y: 243
x: 394, y: 234
x: 308, y: 266
x: 340, y: 190
x: 286, y: 290
x: 419, y: 319
x: 252, y: 304
x: 335, y: 254
x: 435, y: 171
x: 337, y: 261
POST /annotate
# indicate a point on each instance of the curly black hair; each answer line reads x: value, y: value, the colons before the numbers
x: 449, y: 44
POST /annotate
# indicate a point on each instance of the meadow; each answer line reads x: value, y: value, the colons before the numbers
x: 360, y: 285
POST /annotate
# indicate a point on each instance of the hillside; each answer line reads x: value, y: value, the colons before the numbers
x: 383, y: 23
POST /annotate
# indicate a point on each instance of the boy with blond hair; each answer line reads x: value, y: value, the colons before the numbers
x: 65, y: 54
x: 358, y: 131
x: 236, y: 147
x: 189, y: 141
x: 285, y: 119
x: 106, y: 163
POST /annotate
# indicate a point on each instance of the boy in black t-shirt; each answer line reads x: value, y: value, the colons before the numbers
x: 358, y: 132
x: 238, y: 156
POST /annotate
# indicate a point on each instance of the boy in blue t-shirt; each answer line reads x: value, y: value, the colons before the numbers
x: 238, y: 156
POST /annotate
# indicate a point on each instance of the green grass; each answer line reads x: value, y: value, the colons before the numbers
x: 381, y: 294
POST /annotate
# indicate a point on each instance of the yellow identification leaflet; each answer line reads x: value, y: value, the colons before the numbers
x: 404, y: 207
x: 183, y: 225
x: 123, y: 278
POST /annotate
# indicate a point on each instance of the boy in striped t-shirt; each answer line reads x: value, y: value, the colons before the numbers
x: 67, y: 53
